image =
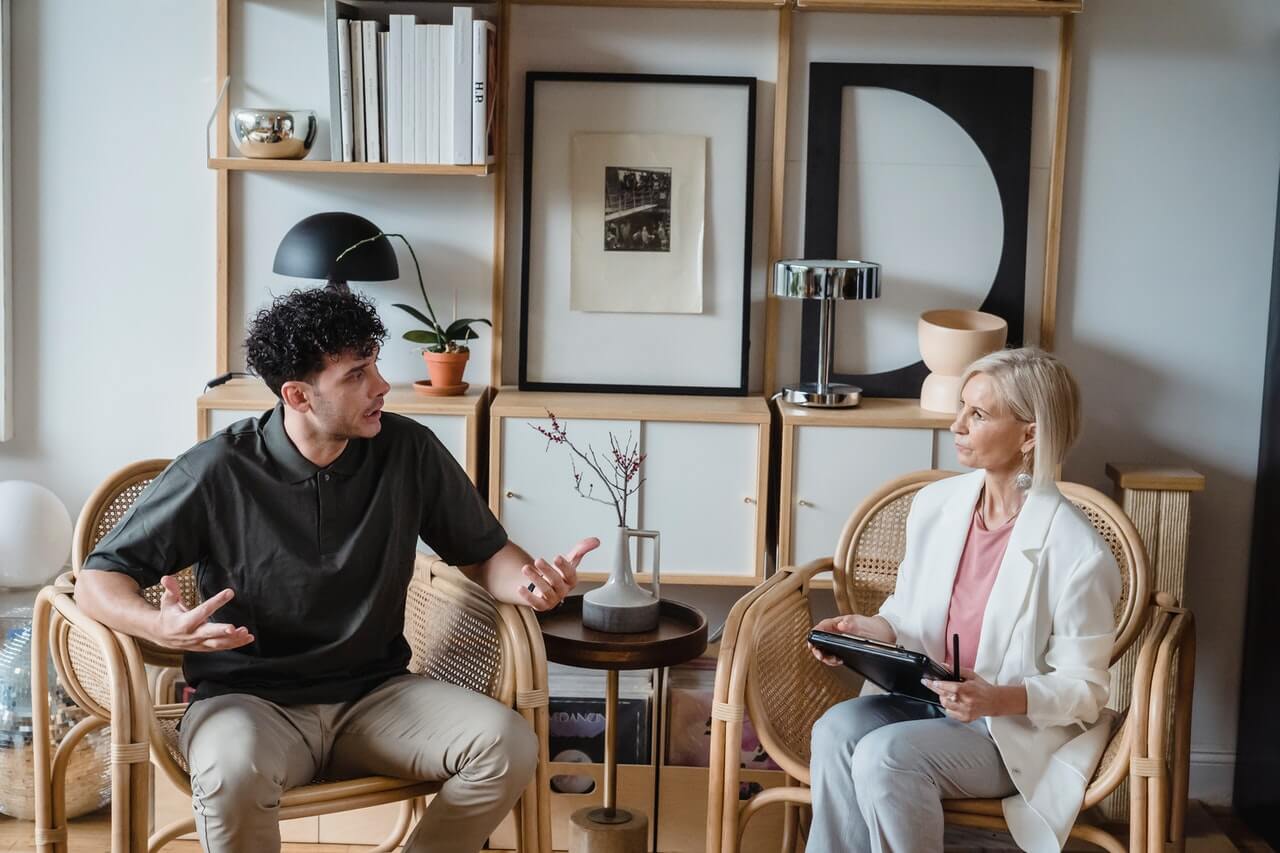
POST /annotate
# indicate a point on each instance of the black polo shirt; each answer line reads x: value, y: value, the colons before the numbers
x: 319, y: 558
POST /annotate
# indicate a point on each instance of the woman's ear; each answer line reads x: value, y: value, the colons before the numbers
x: 1029, y: 438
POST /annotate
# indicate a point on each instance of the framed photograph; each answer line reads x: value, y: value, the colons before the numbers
x: 991, y: 110
x: 636, y: 233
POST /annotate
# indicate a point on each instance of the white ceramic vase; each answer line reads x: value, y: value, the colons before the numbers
x: 622, y: 606
x: 951, y: 340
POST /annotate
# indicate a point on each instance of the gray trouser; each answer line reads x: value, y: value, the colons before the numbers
x: 881, y: 767
x: 244, y: 752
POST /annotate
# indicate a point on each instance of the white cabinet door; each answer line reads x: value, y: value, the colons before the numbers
x: 835, y: 469
x: 537, y: 502
x: 700, y: 494
x: 452, y: 432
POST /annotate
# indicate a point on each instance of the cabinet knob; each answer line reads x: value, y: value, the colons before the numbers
x: 748, y: 500
x: 511, y: 494
x: 803, y: 502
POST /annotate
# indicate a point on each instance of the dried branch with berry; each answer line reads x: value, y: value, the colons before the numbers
x: 618, y: 471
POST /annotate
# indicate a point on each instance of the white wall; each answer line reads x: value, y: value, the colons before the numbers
x: 1171, y: 194
x: 1166, y: 272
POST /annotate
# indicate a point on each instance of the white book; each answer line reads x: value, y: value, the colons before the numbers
x: 463, y: 36
x: 356, y: 32
x: 482, y: 45
x: 446, y: 94
x: 372, y: 73
x: 408, y: 49
x: 392, y: 104
x: 434, y: 32
x: 421, y: 92
x: 344, y: 87
x: 382, y: 92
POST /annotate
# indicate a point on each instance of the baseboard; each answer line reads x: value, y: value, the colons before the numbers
x: 1212, y: 776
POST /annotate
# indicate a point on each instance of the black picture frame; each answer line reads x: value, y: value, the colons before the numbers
x: 532, y: 81
x: 990, y: 103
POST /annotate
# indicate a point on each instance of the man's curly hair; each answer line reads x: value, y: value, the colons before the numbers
x: 290, y: 340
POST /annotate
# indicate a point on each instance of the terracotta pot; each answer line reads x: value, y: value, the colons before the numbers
x: 951, y: 340
x: 445, y: 368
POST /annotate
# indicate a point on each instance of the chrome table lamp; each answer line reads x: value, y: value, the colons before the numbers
x: 826, y: 281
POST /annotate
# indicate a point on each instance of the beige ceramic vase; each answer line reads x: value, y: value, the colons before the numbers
x: 951, y: 340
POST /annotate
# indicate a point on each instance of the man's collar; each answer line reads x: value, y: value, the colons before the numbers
x: 296, y: 466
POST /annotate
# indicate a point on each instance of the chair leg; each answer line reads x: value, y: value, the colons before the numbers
x: 169, y: 832
x: 790, y: 822
x: 62, y: 760
x: 404, y: 819
x: 1098, y: 837
x: 50, y: 836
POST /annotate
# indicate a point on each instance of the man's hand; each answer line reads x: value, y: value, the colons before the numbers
x: 549, y: 583
x: 976, y: 697
x: 190, y: 630
x: 872, y: 627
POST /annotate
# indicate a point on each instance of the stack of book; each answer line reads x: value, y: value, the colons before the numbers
x: 401, y: 91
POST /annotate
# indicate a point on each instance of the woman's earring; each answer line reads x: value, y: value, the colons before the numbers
x: 1023, y: 480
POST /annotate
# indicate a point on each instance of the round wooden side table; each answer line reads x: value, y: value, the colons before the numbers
x: 681, y: 635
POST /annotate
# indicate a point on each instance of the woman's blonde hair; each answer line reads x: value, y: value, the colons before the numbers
x: 1038, y: 389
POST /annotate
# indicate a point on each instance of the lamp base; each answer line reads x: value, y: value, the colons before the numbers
x: 834, y: 396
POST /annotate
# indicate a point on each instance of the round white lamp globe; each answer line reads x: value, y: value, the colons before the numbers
x: 35, y: 534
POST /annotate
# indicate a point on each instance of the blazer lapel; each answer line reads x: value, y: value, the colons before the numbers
x: 943, y: 559
x: 1017, y: 571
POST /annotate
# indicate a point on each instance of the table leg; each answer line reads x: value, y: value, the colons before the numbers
x: 611, y: 742
x: 611, y: 813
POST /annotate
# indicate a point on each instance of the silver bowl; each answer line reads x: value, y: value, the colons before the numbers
x: 273, y: 134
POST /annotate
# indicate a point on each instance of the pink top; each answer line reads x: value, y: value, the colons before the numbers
x: 979, y: 564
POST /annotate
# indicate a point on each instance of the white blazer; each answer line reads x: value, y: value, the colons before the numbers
x: 1049, y: 624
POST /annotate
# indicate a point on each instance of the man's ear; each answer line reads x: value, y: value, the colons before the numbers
x: 296, y: 395
x: 1029, y: 438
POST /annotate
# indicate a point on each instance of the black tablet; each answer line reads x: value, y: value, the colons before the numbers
x: 892, y: 668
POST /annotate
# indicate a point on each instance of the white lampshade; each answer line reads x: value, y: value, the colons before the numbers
x: 35, y: 534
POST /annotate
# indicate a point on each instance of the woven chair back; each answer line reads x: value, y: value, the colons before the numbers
x: 105, y: 508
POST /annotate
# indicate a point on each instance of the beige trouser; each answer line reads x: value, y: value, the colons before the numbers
x: 244, y: 752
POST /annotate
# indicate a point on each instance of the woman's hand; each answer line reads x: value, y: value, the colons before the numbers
x: 872, y: 627
x: 976, y: 697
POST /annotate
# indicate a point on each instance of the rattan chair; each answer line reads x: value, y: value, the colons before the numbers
x: 766, y: 672
x: 456, y: 631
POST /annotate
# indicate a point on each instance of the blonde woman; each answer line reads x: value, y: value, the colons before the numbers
x: 1002, y: 559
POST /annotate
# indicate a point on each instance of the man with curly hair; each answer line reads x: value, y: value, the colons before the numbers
x: 302, y: 525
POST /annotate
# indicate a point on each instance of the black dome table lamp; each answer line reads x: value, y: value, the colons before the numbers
x: 310, y: 250
x: 827, y: 281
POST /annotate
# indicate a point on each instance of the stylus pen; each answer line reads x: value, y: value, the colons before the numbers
x: 955, y: 655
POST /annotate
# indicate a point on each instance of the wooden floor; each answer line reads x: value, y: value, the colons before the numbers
x: 1207, y: 832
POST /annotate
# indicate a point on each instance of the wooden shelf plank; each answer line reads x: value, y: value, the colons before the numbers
x: 1045, y: 8
x: 873, y: 412
x: 253, y: 395
x: 511, y: 403
x: 244, y: 164
x: 662, y: 4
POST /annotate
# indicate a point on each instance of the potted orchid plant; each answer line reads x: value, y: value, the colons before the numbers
x: 445, y: 350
